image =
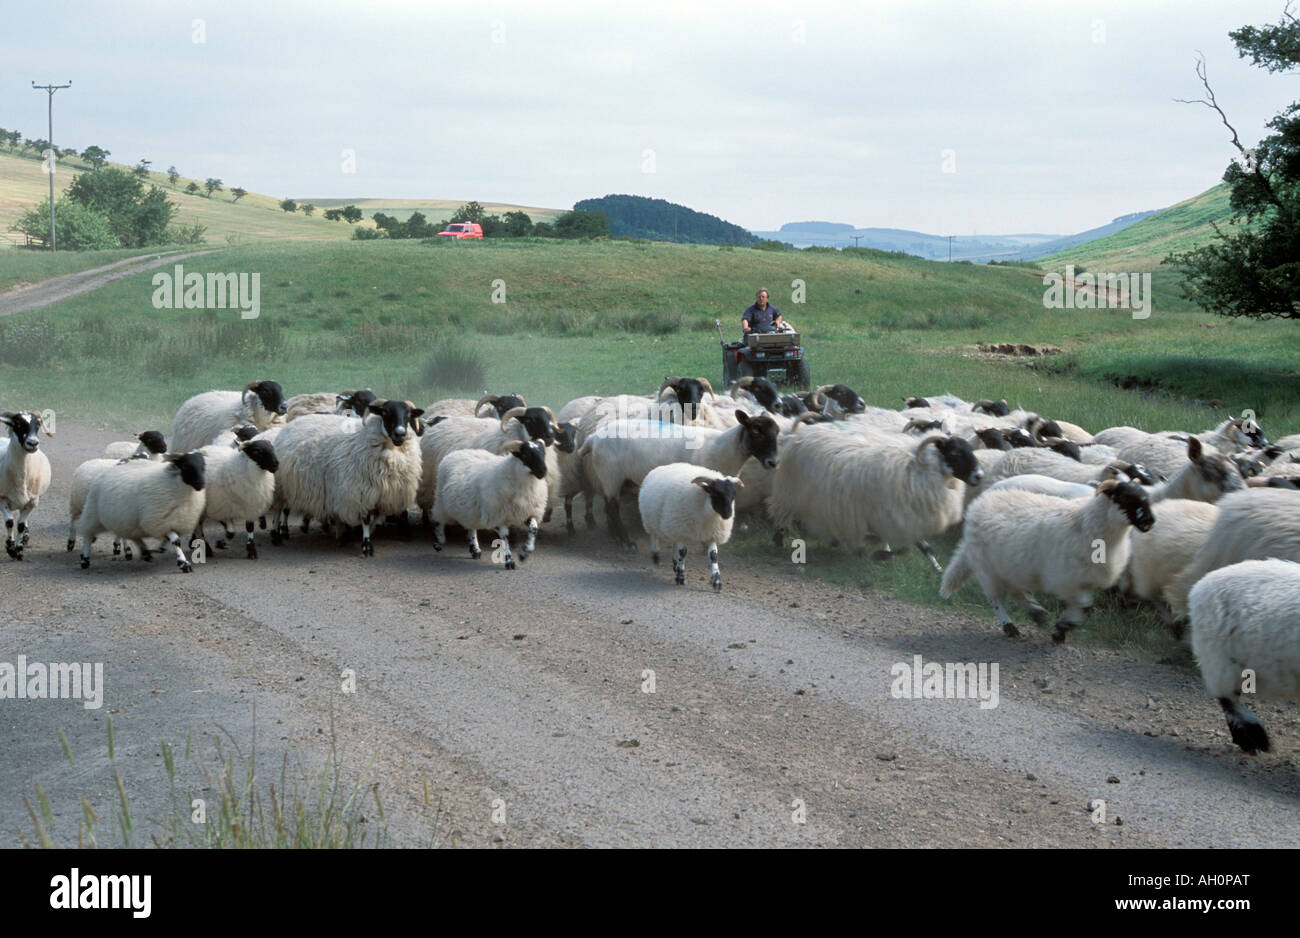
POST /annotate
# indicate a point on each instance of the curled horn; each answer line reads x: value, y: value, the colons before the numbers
x: 513, y: 446
x: 802, y: 418
x: 555, y: 427
x: 243, y: 396
x: 929, y: 440
x: 668, y: 383
x: 815, y: 401
x: 741, y: 384
x: 708, y: 387
x: 486, y: 399
x: 513, y: 412
x: 1107, y: 487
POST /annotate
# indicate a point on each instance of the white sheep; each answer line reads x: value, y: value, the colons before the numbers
x: 327, y: 402
x: 1045, y: 485
x: 150, y: 444
x: 1157, y: 556
x: 348, y: 471
x: 1016, y: 543
x: 240, y: 486
x: 141, y: 498
x: 682, y: 504
x: 478, y: 489
x: 24, y: 475
x: 847, y: 487
x: 622, y: 452
x: 464, y: 407
x: 81, y: 479
x: 1256, y: 524
x: 201, y: 418
x: 1244, y: 635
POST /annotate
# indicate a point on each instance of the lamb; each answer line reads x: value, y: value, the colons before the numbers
x: 625, y: 451
x: 682, y: 504
x: 325, y: 402
x: 240, y: 487
x: 1256, y: 524
x: 478, y: 489
x: 349, y: 471
x: 847, y: 487
x: 149, y: 444
x: 91, y: 468
x: 24, y: 475
x: 203, y: 416
x: 1016, y: 543
x: 1245, y: 639
x: 141, y: 498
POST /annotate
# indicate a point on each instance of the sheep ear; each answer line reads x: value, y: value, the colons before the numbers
x: 1194, y: 451
x: 742, y: 417
x: 7, y: 418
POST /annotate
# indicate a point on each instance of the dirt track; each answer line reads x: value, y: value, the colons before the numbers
x: 526, y: 686
x: 56, y: 289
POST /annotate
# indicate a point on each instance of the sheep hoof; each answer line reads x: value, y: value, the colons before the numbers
x: 1009, y: 630
x: 1039, y: 616
x: 185, y: 566
x: 510, y: 564
x: 1058, y: 636
x: 883, y: 555
x: 261, y: 522
x: 276, y: 539
x: 591, y: 522
x: 546, y: 516
x: 72, y: 545
x: 11, y: 550
x: 475, y: 554
x: 568, y: 526
x: 221, y: 545
x: 146, y: 555
x: 437, y: 546
x: 252, y: 551
x: 654, y: 557
x: 367, y: 548
x: 716, y: 582
x: 85, y: 563
x: 679, y: 580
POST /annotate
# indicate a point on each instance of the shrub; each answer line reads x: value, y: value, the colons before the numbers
x: 368, y: 234
x: 455, y: 367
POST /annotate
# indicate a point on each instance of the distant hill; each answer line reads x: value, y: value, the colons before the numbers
x: 1142, y: 246
x: 635, y: 216
x: 824, y: 227
x: 1092, y: 234
x: 977, y: 248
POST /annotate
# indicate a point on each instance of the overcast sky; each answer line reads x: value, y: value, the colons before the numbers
x: 1059, y: 114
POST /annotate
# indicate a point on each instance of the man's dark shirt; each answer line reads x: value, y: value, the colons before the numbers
x: 761, y: 320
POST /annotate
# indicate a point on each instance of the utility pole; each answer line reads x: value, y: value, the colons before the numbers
x: 49, y: 90
x: 856, y: 239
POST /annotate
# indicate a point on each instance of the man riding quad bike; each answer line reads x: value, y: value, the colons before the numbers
x: 769, y: 348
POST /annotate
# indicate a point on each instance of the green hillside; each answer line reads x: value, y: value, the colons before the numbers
x: 1144, y: 245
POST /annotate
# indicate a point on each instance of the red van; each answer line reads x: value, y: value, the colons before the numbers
x: 466, y: 229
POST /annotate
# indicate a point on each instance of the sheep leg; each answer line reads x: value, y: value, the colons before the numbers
x: 1072, y: 616
x: 474, y: 550
x: 1247, y: 732
x: 530, y: 542
x: 654, y: 550
x: 85, y: 551
x: 230, y: 536
x: 126, y: 549
x: 9, y: 535
x: 281, y: 532
x: 1036, y: 612
x: 886, y: 553
x: 117, y: 546
x: 1008, y: 627
x: 261, y: 522
x: 614, y: 520
x: 568, y: 515
x: 929, y: 555
x: 546, y: 515
x: 23, y: 533
x: 679, y: 565
x: 367, y: 548
x: 589, y: 506
x: 181, y: 562
x: 145, y: 553
x: 778, y: 538
x: 251, y: 545
x: 715, y: 575
x: 503, y: 533
x: 306, y: 523
x: 438, y: 534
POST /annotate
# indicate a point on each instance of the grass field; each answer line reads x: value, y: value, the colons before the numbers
x: 1144, y: 245
x: 605, y: 317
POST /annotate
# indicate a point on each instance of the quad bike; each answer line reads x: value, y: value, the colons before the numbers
x: 777, y: 356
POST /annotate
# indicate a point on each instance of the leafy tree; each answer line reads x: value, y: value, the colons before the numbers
x: 14, y: 137
x: 351, y: 214
x: 1254, y: 271
x: 238, y: 193
x: 470, y: 211
x: 173, y: 174
x: 517, y: 225
x: 543, y: 230
x: 192, y: 188
x: 80, y: 228
x: 333, y: 214
x: 212, y: 185
x: 289, y: 205
x: 579, y: 224
x: 308, y: 208
x: 141, y: 169
x: 95, y: 156
x: 138, y: 218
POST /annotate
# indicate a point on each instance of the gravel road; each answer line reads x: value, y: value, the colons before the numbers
x: 771, y: 702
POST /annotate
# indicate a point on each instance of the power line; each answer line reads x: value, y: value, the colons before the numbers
x: 49, y: 90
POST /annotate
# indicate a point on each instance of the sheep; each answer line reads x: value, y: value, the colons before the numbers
x: 241, y: 434
x: 24, y: 475
x: 836, y: 400
x: 240, y: 486
x: 1205, y: 476
x: 624, y: 451
x: 446, y: 435
x: 203, y: 416
x: 765, y: 394
x: 688, y: 394
x: 1159, y: 555
x: 1048, y: 463
x: 349, y: 471
x: 846, y: 487
x: 1245, y: 640
x: 478, y: 489
x: 756, y: 479
x: 1288, y: 443
x: 1252, y: 525
x: 325, y: 402
x: 1044, y: 485
x: 88, y: 470
x: 141, y: 498
x: 150, y: 443
x: 1234, y: 435
x: 1165, y: 452
x: 682, y: 504
x: 464, y: 407
x: 1017, y: 542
